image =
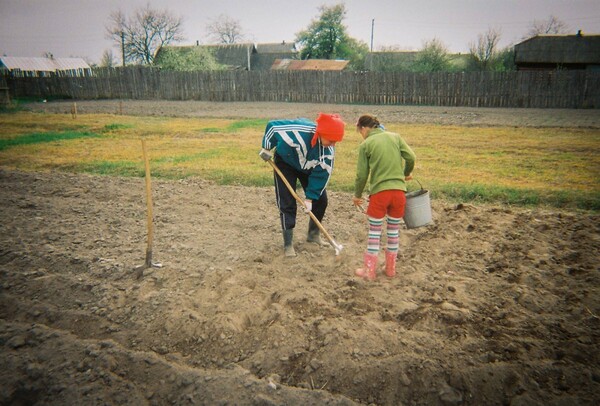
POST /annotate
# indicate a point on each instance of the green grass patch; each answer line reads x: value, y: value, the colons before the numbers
x: 116, y: 127
x: 118, y: 168
x: 228, y: 177
x: 37, y: 138
x: 210, y: 154
x: 518, y: 197
x: 255, y: 124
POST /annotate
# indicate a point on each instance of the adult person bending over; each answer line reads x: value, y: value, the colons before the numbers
x: 388, y: 161
x: 304, y: 151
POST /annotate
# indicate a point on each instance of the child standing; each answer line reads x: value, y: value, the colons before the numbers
x: 387, y: 161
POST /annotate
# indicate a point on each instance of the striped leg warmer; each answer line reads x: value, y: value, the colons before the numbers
x: 375, y: 227
x: 393, y: 227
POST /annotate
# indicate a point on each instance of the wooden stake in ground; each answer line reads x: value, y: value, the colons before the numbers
x: 150, y: 215
x: 74, y: 110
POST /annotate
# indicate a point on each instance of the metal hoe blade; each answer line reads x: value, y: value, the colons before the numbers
x: 338, y: 248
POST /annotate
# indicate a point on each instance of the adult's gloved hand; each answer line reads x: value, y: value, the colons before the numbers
x: 308, y: 206
x: 265, y: 154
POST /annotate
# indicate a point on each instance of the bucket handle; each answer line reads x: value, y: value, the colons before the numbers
x: 416, y: 180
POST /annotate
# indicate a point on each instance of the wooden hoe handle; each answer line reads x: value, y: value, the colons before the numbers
x: 337, y: 246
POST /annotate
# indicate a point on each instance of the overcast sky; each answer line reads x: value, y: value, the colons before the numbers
x: 76, y: 28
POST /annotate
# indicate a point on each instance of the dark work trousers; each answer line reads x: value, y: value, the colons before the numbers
x: 286, y: 202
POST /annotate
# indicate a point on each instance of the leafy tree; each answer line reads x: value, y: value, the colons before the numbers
x: 390, y: 60
x: 551, y: 25
x: 186, y: 59
x: 326, y: 38
x: 140, y: 36
x: 225, y: 30
x: 483, y: 52
x: 505, y: 60
x: 433, y: 57
x: 355, y: 52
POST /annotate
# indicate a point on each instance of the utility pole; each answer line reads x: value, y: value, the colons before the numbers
x: 371, y: 53
x: 372, y: 28
x: 123, y: 47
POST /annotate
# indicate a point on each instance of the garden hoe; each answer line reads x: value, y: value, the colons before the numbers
x: 338, y: 247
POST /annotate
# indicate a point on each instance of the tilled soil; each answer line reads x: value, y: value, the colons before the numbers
x: 491, y: 305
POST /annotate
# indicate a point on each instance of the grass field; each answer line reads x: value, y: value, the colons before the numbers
x: 556, y: 167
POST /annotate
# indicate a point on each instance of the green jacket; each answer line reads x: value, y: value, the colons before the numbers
x: 387, y: 158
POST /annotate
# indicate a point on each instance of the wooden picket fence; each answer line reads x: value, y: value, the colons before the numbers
x: 539, y: 89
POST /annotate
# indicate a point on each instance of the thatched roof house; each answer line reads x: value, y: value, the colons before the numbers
x: 246, y: 56
x: 549, y: 52
x: 267, y: 53
x: 309, y: 64
x: 30, y: 66
x: 276, y: 48
x: 234, y: 56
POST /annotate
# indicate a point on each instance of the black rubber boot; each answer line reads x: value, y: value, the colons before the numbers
x: 288, y: 246
x: 314, y: 234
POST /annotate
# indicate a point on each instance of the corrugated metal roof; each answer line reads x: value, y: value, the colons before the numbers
x: 70, y: 63
x: 42, y: 64
x: 309, y: 64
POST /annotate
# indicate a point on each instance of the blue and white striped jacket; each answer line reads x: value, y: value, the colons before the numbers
x: 292, y: 139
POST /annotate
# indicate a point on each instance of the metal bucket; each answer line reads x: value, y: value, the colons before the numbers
x: 417, y: 212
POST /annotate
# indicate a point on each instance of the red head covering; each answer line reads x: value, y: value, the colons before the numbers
x: 330, y: 127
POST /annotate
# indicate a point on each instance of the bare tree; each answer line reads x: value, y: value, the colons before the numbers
x: 116, y: 31
x: 484, y: 50
x: 225, y: 30
x: 108, y: 59
x: 552, y: 25
x: 140, y: 36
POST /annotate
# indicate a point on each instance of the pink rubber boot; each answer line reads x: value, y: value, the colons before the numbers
x: 390, y: 263
x: 370, y: 268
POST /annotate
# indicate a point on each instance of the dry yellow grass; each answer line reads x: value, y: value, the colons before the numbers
x: 547, y: 160
x: 533, y: 158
